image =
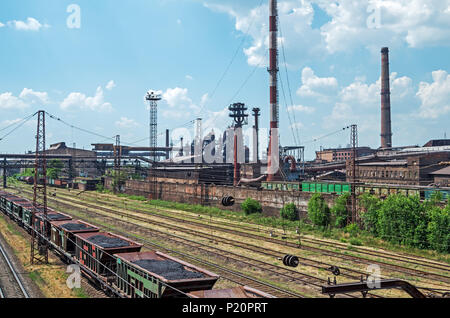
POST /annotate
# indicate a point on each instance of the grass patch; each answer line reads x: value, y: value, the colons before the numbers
x: 37, y: 278
x: 80, y: 293
x: 355, y: 241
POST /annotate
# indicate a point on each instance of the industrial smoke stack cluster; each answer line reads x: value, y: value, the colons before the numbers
x: 386, y: 129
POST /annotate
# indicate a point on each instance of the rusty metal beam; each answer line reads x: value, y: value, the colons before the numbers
x: 364, y: 287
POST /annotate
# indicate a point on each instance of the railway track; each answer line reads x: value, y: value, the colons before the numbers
x: 256, y: 249
x: 229, y: 274
x: 357, y: 259
x: 364, y: 251
x: 11, y: 285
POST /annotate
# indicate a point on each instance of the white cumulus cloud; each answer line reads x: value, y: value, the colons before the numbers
x: 312, y: 85
x: 81, y: 101
x: 26, y: 98
x: 302, y: 109
x: 435, y: 97
x: 34, y: 97
x: 352, y: 24
x: 31, y: 24
x: 125, y: 122
x: 110, y: 85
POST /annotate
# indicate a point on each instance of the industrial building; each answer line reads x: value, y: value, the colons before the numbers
x: 341, y: 154
x: 411, y: 169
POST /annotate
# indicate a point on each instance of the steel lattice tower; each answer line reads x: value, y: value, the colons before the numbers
x: 153, y: 98
x: 40, y: 243
x: 354, y: 144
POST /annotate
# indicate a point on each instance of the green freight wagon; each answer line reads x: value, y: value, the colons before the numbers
x: 305, y: 187
x: 445, y: 194
x: 331, y: 188
x: 137, y: 276
x: 346, y: 188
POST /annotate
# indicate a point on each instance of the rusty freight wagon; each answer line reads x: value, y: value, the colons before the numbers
x: 52, y: 215
x: 63, y: 233
x: 95, y: 251
x: 149, y: 274
x: 237, y: 292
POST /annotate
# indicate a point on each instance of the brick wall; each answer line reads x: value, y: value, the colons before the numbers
x: 211, y: 195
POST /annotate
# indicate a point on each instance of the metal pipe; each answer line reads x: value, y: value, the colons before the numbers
x: 386, y: 129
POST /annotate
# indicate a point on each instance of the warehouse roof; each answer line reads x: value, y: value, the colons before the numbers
x: 445, y: 171
x: 385, y: 163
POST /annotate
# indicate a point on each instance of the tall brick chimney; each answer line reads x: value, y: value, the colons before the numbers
x: 386, y: 129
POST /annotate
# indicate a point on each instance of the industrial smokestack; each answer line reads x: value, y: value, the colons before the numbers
x: 167, y: 144
x: 273, y: 71
x: 386, y: 129
x: 256, y: 113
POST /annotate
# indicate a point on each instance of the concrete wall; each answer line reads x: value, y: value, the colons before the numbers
x: 211, y: 195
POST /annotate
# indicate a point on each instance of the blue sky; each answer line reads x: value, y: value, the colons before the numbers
x: 96, y: 77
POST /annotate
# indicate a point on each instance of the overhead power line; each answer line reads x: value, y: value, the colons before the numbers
x: 18, y: 124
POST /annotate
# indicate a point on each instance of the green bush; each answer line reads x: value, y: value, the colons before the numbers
x: 438, y: 229
x: 318, y: 210
x: 340, y: 211
x: 289, y: 212
x: 401, y: 220
x: 352, y: 229
x: 370, y: 205
x: 355, y: 241
x: 250, y: 206
x: 99, y: 187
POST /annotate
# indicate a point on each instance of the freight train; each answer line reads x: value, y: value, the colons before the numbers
x: 77, y: 183
x: 340, y: 188
x: 115, y: 263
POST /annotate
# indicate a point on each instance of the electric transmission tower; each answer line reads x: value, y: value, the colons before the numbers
x: 39, y: 242
x: 354, y: 145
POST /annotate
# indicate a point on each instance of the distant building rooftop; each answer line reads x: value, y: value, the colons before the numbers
x: 438, y: 143
x: 445, y: 171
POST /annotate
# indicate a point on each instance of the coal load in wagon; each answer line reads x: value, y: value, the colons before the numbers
x: 170, y: 270
x: 108, y: 242
x: 76, y: 227
x: 56, y: 217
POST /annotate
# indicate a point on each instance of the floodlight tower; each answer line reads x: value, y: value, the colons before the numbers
x: 153, y: 97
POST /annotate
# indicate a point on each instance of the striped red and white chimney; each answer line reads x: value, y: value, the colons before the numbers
x: 273, y: 71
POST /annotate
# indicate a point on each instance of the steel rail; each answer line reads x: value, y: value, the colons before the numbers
x: 384, y: 254
x: 13, y: 271
x: 357, y: 259
x: 206, y: 263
